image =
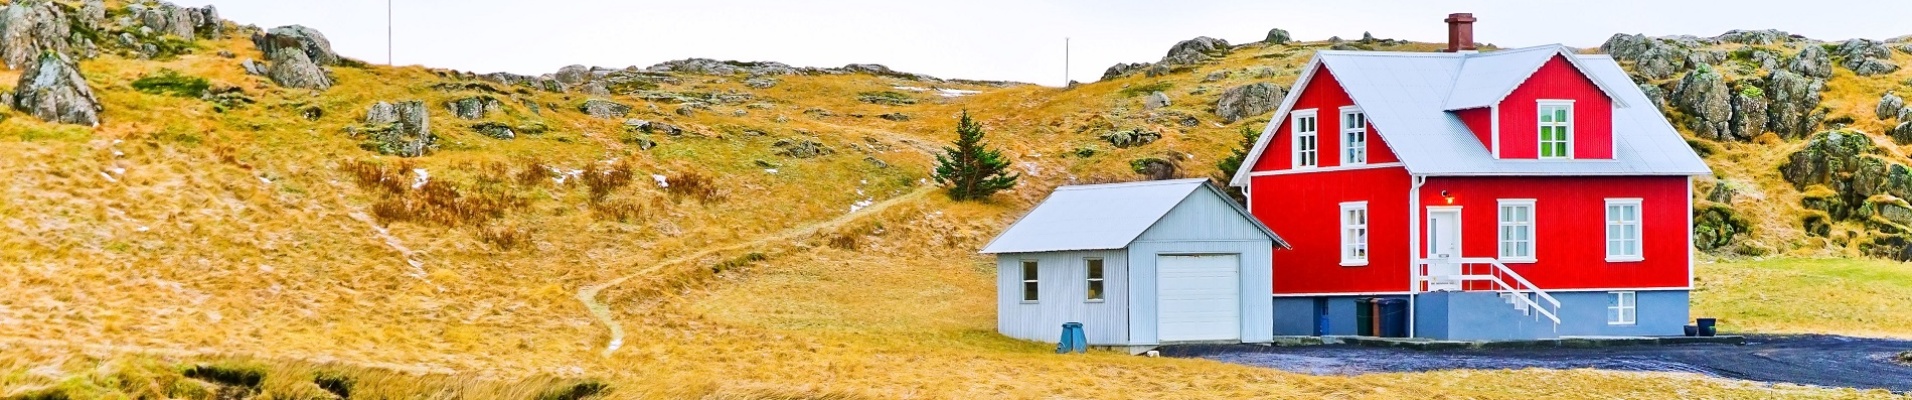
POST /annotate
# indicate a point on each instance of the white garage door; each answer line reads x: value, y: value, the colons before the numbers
x: 1200, y: 298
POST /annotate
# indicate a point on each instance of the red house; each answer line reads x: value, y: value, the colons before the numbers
x: 1514, y: 194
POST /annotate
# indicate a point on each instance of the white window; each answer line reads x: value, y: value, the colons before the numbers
x: 1623, y: 230
x: 1354, y: 136
x: 1030, y: 271
x: 1354, y: 234
x: 1307, y: 142
x: 1094, y: 266
x: 1556, y: 129
x: 1622, y: 308
x: 1517, y: 230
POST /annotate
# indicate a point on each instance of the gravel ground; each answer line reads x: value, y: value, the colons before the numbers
x: 1832, y: 361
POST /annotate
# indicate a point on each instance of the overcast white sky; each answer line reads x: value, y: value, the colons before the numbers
x: 987, y: 39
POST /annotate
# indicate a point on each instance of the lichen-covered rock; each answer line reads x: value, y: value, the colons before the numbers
x: 1276, y: 36
x: 761, y: 82
x: 1889, y: 106
x: 53, y: 90
x: 29, y: 29
x: 1653, y: 58
x: 1248, y: 100
x: 1218, y: 75
x: 93, y: 14
x: 297, y: 37
x: 573, y: 75
x: 1716, y: 226
x: 1195, y: 51
x: 475, y: 107
x: 184, y: 22
x: 1702, y: 95
x: 705, y: 66
x: 1865, y: 57
x: 1756, y: 37
x: 1749, y: 113
x: 1154, y: 101
x: 1793, y: 103
x: 290, y: 68
x: 604, y: 109
x: 253, y: 67
x: 1654, y: 94
x: 402, y: 129
x: 1832, y: 159
x: 1766, y: 60
x: 495, y: 130
x: 801, y: 148
x: 1131, y: 138
x: 1120, y: 69
x: 1812, y: 61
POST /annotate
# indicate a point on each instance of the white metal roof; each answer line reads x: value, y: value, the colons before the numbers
x: 1102, y: 217
x: 1485, y: 79
x: 1406, y: 97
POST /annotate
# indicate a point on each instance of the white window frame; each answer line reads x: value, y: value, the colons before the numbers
x: 1540, y: 127
x: 1031, y: 282
x: 1617, y: 253
x: 1505, y: 251
x: 1355, y: 248
x: 1354, y: 139
x: 1089, y: 294
x: 1624, y: 308
x: 1306, y: 145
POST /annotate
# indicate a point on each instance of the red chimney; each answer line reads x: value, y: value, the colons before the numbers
x: 1460, y: 32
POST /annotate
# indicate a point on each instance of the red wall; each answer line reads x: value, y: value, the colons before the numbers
x: 1305, y: 208
x: 1325, y: 96
x: 1570, y: 227
x: 1481, y: 121
x: 1556, y: 80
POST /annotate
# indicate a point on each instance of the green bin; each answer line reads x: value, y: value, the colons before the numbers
x: 1364, y: 316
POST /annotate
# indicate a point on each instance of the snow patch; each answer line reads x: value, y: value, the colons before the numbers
x: 562, y: 175
x: 264, y: 180
x: 862, y: 204
x: 772, y: 171
x: 1032, y: 168
x: 661, y: 181
x: 419, y: 178
x: 109, y: 177
x: 910, y: 88
x: 955, y: 92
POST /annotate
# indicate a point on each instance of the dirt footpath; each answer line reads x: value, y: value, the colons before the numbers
x: 1833, y: 361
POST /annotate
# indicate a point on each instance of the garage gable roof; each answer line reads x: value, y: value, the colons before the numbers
x: 1103, y: 217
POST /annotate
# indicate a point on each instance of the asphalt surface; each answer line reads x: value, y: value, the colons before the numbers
x: 1830, y: 361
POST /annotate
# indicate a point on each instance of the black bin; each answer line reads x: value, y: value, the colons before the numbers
x: 1706, y: 326
x: 1393, y: 317
x: 1364, y: 316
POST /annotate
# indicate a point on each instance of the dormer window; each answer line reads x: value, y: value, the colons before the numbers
x: 1307, y: 139
x: 1556, y: 129
x: 1354, y: 136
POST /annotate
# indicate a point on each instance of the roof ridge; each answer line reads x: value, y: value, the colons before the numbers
x: 1093, y: 186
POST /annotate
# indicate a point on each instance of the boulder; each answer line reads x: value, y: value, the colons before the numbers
x: 170, y: 19
x: 573, y: 75
x: 1276, y: 36
x: 93, y: 14
x: 1811, y: 61
x: 761, y: 82
x: 1195, y: 51
x: 1749, y: 113
x: 1761, y: 37
x: 1119, y: 70
x: 53, y: 90
x: 402, y: 129
x: 1248, y: 101
x: 1155, y: 100
x: 29, y: 29
x: 1654, y: 94
x: 604, y: 109
x: 801, y: 148
x: 296, y: 37
x: 1218, y: 75
x: 1901, y: 133
x: 1653, y: 58
x: 638, y: 125
x: 1716, y: 226
x: 495, y: 130
x: 1131, y: 138
x: 1793, y: 103
x: 1765, y: 59
x: 1829, y: 158
x: 1702, y: 95
x: 476, y: 107
x: 594, y: 88
x: 290, y: 68
x: 1889, y: 106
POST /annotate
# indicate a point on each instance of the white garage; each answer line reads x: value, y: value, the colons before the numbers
x: 1138, y: 264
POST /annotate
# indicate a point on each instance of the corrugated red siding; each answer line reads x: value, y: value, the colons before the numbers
x: 1305, y: 210
x: 1556, y: 80
x: 1570, y: 227
x: 1324, y: 95
x: 1481, y: 122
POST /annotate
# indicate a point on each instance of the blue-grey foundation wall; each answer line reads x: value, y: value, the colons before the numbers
x: 1486, y: 316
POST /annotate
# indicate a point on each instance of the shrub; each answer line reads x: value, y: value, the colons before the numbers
x: 337, y: 383
x: 575, y: 391
x: 971, y: 169
x: 739, y: 262
x: 247, y: 376
x: 506, y: 237
x: 694, y: 185
x: 172, y: 83
x: 604, y: 179
x: 885, y: 98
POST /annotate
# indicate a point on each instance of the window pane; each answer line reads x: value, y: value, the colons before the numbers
x: 1560, y: 114
x: 1095, y: 290
x: 1095, y: 268
x: 1029, y: 270
x: 1028, y: 291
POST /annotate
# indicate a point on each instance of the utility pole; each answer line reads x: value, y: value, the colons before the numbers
x: 1065, y: 61
x: 388, y: 32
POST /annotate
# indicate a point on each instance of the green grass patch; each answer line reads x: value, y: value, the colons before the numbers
x: 1151, y: 87
x: 172, y: 83
x: 1855, y: 296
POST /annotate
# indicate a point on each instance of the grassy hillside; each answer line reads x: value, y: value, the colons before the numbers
x: 188, y: 249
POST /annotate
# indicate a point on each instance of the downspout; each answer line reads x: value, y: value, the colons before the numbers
x: 1414, y: 246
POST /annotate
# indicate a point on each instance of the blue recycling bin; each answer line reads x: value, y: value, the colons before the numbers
x: 1072, y: 339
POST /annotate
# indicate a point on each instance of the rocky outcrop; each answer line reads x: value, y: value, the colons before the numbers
x: 1248, y: 101
x: 53, y: 90
x: 29, y: 29
x: 1749, y: 112
x: 253, y: 67
x: 1702, y: 95
x: 1654, y: 94
x: 290, y: 68
x: 402, y: 129
x: 1120, y: 69
x: 1763, y: 37
x: 1889, y: 106
x: 1716, y: 226
x: 495, y: 130
x: 572, y: 75
x: 1131, y: 138
x: 93, y: 14
x: 705, y: 66
x: 1195, y: 51
x: 801, y: 148
x: 1154, y: 101
x: 1653, y: 58
x: 1793, y: 103
x: 184, y: 22
x: 295, y: 37
x: 473, y: 108
x: 1811, y: 61
x: 1277, y: 36
x: 1834, y: 159
x: 1865, y: 57
x: 604, y: 109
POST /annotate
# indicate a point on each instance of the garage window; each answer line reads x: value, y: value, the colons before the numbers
x: 1622, y: 308
x: 1029, y: 283
x: 1095, y: 279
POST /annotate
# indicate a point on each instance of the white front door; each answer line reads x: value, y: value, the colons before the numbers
x: 1198, y: 298
x: 1443, y: 248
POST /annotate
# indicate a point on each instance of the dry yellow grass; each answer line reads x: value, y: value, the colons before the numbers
x: 175, y: 235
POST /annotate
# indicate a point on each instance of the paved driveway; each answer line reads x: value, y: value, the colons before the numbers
x: 1834, y: 361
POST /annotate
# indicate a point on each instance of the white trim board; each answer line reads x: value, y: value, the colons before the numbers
x: 1326, y: 169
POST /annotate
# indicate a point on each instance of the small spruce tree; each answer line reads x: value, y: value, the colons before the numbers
x: 1233, y: 162
x: 971, y: 169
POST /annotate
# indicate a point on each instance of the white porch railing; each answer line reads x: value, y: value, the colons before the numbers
x: 1486, y: 274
